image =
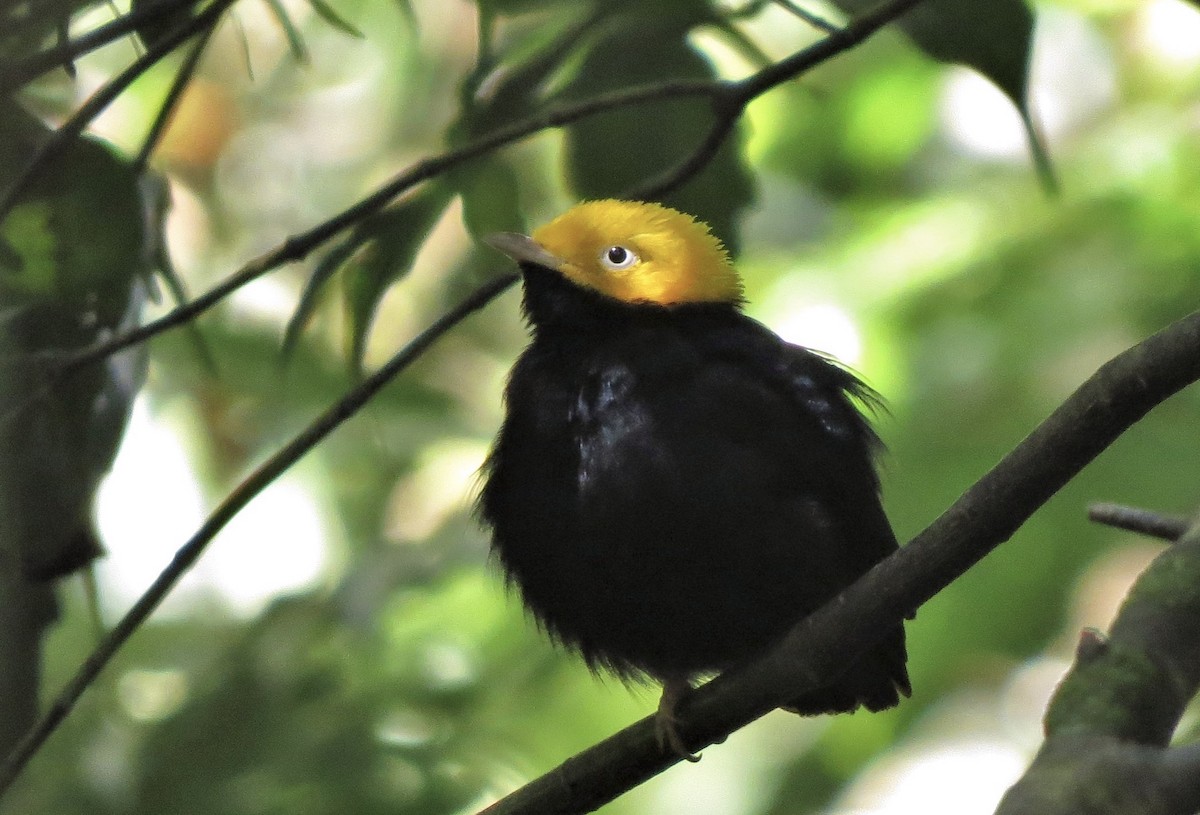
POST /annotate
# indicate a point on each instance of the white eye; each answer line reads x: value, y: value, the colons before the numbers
x: 617, y: 258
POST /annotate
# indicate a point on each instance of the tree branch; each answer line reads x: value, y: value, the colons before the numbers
x: 298, y: 246
x: 1119, y: 394
x: 1111, y: 719
x: 729, y: 100
x: 167, y: 109
x: 62, y: 138
x: 726, y: 97
x: 16, y: 73
x: 1133, y: 519
x: 815, y: 20
x: 254, y: 484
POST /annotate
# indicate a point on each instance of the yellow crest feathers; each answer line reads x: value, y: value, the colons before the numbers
x: 638, y: 252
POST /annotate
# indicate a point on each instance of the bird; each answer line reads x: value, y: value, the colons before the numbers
x: 674, y: 486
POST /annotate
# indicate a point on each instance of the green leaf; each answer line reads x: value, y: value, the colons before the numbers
x: 994, y: 38
x: 613, y: 152
x: 294, y: 38
x: 490, y: 197
x: 314, y: 287
x: 78, y: 234
x: 76, y: 274
x: 27, y: 267
x: 390, y: 241
x: 327, y: 13
x: 508, y: 86
x: 516, y: 6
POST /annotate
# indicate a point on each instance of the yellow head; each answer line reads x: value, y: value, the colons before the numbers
x: 633, y: 252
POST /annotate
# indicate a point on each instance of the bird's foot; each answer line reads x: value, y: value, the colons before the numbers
x: 666, y: 721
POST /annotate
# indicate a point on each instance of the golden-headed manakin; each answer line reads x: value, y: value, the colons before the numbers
x: 675, y: 486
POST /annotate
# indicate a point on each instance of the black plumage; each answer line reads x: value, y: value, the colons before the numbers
x: 674, y: 487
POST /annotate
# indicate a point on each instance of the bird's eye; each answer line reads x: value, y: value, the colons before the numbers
x: 617, y: 258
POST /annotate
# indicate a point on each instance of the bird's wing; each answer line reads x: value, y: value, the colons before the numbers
x: 816, y: 424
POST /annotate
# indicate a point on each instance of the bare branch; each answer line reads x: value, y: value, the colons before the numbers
x: 1133, y: 519
x: 705, y: 152
x: 815, y: 20
x: 165, y: 111
x: 298, y: 246
x: 14, y: 74
x: 261, y: 478
x: 729, y: 100
x: 1111, y: 719
x: 841, y: 39
x: 62, y: 138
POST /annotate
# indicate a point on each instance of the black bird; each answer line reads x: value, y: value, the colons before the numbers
x: 674, y: 486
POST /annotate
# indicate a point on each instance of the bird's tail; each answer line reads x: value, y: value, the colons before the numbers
x: 875, y: 681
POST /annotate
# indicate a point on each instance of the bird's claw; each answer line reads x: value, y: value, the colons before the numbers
x: 666, y: 722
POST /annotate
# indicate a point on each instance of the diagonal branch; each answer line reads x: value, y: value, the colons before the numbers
x: 729, y: 100
x: 245, y: 492
x: 167, y: 109
x: 1111, y: 719
x: 1119, y: 394
x: 1134, y: 519
x: 726, y: 96
x: 16, y: 73
x: 62, y: 138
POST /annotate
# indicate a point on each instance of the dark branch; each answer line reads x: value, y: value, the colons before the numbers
x: 729, y: 100
x: 1133, y: 519
x: 841, y: 39
x: 62, y: 138
x: 656, y: 188
x: 815, y: 20
x: 16, y: 73
x: 1111, y: 719
x: 986, y: 515
x: 726, y: 97
x: 165, y: 111
x: 298, y: 246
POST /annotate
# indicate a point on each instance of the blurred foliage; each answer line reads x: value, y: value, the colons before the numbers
x: 878, y: 212
x: 71, y: 273
x: 616, y: 151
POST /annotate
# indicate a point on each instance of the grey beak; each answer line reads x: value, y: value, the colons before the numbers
x: 523, y: 249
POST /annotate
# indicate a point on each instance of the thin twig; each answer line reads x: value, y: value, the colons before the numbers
x: 843, y: 39
x: 727, y: 116
x: 815, y: 20
x: 729, y: 99
x: 1135, y: 519
x: 166, y: 111
x: 298, y: 246
x: 18, y: 73
x: 62, y: 138
x: 261, y: 478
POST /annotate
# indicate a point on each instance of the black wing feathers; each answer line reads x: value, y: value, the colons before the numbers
x: 672, y: 492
